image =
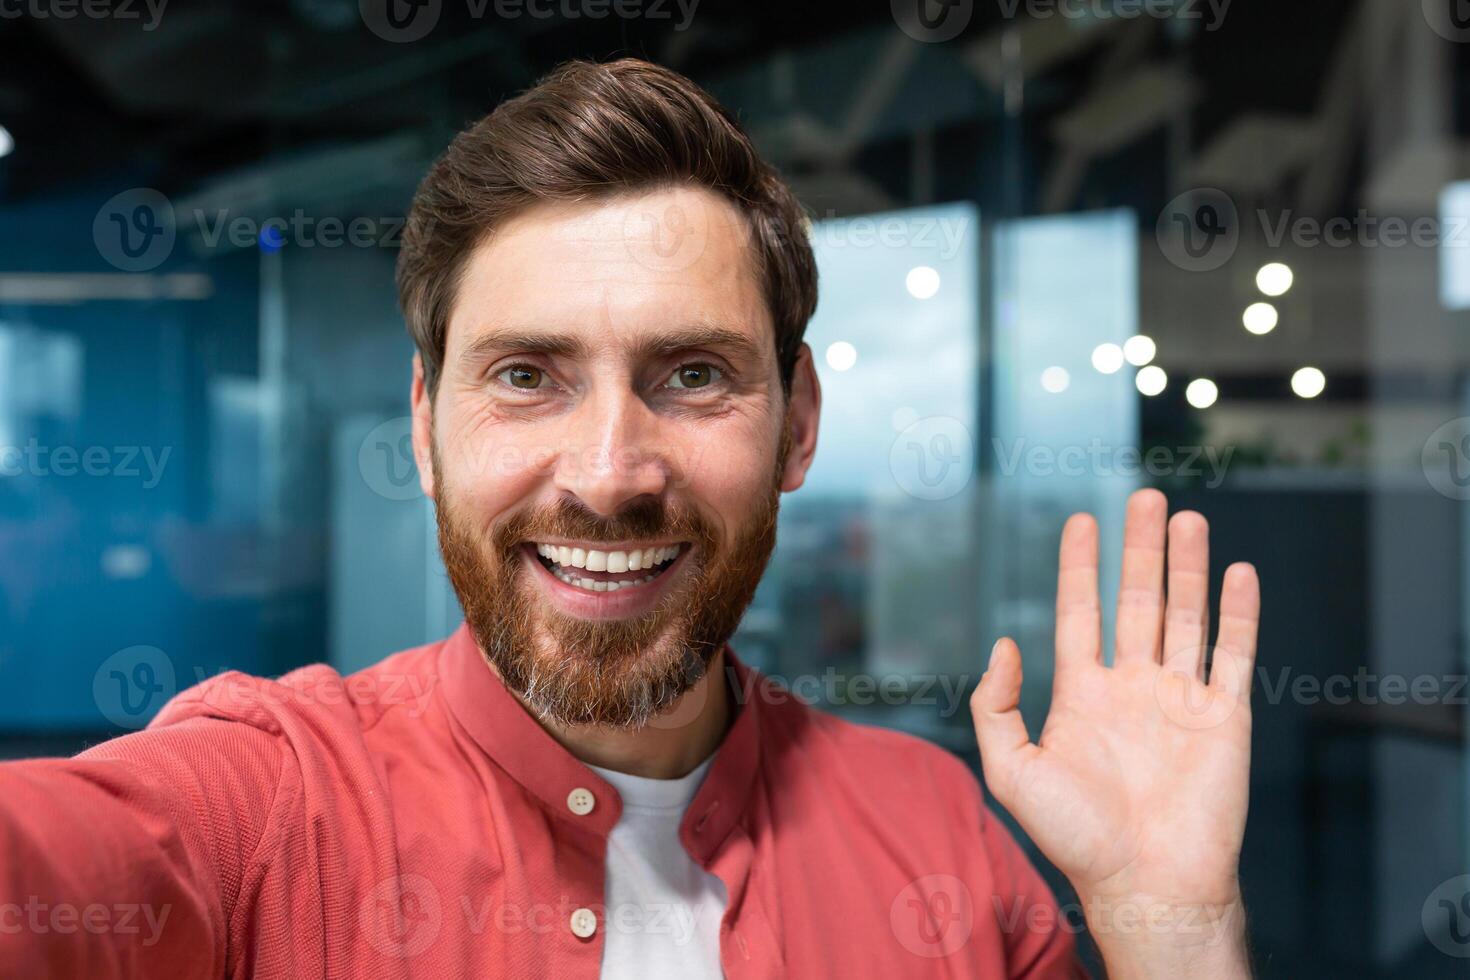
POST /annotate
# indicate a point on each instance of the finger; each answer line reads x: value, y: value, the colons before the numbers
x: 1005, y: 746
x: 1240, y: 618
x: 1079, y: 615
x: 1187, y: 612
x: 1141, y: 588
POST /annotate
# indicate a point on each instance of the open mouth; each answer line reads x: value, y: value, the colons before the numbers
x: 595, y: 570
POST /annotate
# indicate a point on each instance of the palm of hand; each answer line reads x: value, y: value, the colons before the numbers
x: 1137, y: 789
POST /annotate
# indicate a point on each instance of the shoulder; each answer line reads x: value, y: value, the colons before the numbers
x: 907, y: 773
x: 312, y: 702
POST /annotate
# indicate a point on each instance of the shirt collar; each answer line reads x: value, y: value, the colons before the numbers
x: 668, y: 796
x: 502, y: 727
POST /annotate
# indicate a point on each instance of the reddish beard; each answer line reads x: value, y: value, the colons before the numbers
x: 616, y: 673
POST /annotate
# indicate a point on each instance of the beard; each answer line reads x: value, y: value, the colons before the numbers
x: 616, y: 673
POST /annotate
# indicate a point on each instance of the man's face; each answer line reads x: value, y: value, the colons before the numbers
x: 607, y: 446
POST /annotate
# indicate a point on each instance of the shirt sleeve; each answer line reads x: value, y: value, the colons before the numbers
x: 126, y: 861
x: 1039, y: 944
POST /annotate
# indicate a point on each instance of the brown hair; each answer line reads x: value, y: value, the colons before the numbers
x: 586, y: 130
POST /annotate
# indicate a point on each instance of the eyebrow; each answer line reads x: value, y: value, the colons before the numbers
x: 710, y: 335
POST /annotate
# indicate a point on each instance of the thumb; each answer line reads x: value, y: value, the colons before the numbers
x: 1004, y: 744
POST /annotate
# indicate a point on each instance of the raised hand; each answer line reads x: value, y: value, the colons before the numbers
x: 1137, y: 789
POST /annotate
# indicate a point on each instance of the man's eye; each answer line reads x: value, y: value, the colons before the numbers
x: 523, y: 376
x: 694, y: 376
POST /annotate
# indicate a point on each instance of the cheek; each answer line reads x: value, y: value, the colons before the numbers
x: 489, y: 468
x: 730, y: 469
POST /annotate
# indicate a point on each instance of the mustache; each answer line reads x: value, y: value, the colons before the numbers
x: 647, y: 517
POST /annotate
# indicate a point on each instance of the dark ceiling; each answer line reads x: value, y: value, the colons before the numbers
x: 217, y: 87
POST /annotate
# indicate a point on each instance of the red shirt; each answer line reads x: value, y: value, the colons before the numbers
x: 414, y: 821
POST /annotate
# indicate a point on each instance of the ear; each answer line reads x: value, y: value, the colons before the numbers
x: 423, y: 428
x: 802, y: 411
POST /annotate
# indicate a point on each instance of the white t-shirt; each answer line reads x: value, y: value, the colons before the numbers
x: 663, y: 910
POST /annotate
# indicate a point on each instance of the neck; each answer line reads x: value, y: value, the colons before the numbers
x: 671, y: 745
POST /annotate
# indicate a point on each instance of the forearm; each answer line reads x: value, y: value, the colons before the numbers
x: 93, y: 885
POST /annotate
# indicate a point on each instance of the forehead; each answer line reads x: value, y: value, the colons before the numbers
x: 614, y: 270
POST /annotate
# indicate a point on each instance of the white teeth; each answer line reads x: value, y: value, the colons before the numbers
x: 616, y: 562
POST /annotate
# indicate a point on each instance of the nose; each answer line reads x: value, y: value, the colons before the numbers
x: 612, y: 454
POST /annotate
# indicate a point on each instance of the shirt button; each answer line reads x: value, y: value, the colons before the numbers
x: 581, y: 801
x: 584, y: 923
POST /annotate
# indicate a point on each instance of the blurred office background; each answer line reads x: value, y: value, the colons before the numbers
x: 1067, y: 249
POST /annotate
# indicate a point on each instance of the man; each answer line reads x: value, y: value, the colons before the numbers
x: 608, y: 290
